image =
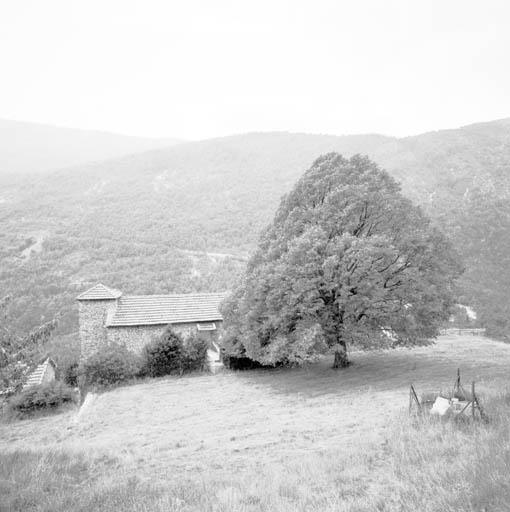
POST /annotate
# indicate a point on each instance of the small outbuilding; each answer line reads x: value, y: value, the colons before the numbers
x: 44, y: 373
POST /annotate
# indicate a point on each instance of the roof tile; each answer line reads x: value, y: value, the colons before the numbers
x: 37, y: 376
x: 99, y: 292
x: 166, y: 309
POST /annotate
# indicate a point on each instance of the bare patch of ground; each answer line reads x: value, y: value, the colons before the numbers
x: 36, y: 246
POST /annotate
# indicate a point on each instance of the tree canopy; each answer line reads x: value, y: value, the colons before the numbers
x: 348, y: 260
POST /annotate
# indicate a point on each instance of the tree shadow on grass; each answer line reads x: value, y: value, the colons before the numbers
x: 433, y: 368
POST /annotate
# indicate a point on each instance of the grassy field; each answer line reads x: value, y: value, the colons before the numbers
x: 282, y: 440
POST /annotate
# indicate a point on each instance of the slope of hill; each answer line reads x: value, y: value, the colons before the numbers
x: 35, y: 148
x: 291, y: 439
x: 132, y: 222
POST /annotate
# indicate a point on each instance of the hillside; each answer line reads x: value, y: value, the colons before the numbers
x: 27, y: 148
x: 292, y: 439
x: 145, y: 223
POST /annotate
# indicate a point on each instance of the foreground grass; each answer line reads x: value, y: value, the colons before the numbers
x: 427, y: 465
x: 447, y: 466
x: 62, y: 482
x: 285, y: 440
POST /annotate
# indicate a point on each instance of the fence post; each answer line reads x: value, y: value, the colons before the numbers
x: 473, y: 400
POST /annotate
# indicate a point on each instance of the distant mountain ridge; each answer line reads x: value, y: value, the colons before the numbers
x: 145, y: 222
x: 29, y: 148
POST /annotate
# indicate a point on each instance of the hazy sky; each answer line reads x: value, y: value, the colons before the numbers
x: 204, y: 68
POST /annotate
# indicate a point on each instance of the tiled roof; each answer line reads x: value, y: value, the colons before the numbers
x: 166, y: 309
x: 99, y: 292
x: 37, y: 376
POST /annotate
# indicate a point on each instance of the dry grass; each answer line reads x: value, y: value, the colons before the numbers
x: 443, y: 466
x: 282, y: 440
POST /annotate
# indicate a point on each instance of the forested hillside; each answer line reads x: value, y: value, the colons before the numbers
x: 27, y: 148
x: 144, y: 223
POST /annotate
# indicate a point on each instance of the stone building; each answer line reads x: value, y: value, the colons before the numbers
x: 105, y: 315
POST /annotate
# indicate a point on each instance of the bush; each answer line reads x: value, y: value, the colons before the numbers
x: 70, y: 374
x: 170, y: 354
x: 164, y: 355
x: 194, y: 356
x: 44, y: 396
x: 111, y: 364
x: 242, y: 363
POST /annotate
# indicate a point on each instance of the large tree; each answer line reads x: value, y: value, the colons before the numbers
x: 347, y: 261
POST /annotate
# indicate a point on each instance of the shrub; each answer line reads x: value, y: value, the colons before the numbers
x: 242, y: 363
x: 164, y: 355
x: 194, y: 356
x: 44, y: 396
x: 111, y: 364
x: 170, y: 354
x: 70, y: 374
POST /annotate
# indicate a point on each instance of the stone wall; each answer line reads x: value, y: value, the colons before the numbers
x: 49, y: 375
x: 136, y: 337
x: 92, y: 319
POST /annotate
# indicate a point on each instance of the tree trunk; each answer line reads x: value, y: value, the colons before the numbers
x: 332, y: 325
x: 341, y: 359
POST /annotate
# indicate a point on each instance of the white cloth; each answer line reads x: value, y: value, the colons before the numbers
x: 441, y: 406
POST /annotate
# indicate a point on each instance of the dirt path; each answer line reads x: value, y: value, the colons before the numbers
x: 216, y: 255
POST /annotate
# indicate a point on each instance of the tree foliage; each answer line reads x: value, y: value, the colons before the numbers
x: 44, y: 396
x: 194, y: 357
x: 112, y: 364
x: 170, y: 353
x: 347, y: 261
x: 18, y: 353
x: 482, y: 234
x: 164, y: 354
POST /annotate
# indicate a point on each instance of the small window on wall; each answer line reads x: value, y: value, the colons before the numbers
x: 206, y: 326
